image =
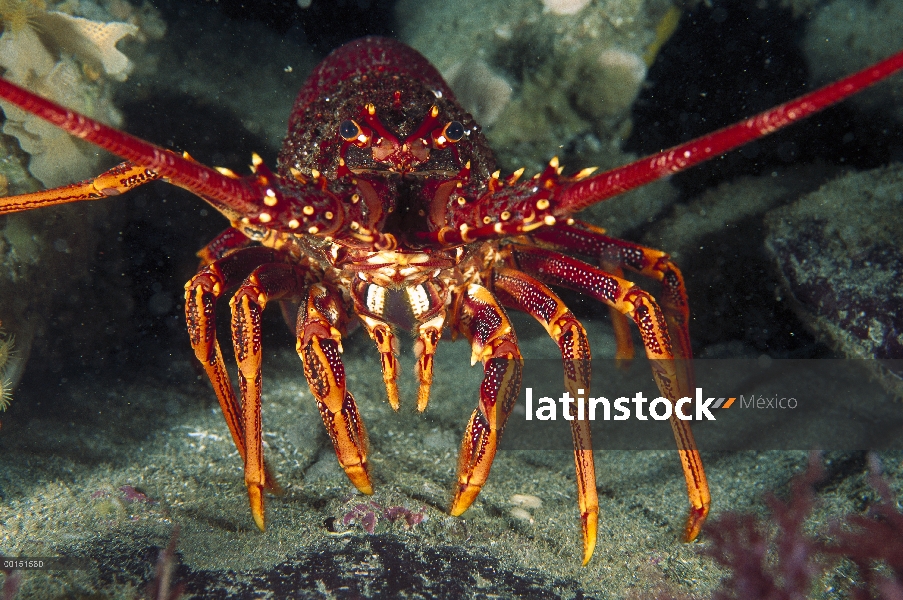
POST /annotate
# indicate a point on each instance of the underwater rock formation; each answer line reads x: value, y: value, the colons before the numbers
x: 484, y: 92
x: 556, y: 61
x: 838, y: 252
x: 565, y: 7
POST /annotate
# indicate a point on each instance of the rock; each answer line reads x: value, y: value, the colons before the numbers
x: 838, y: 252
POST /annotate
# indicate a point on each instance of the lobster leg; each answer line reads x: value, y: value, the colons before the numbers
x: 521, y: 291
x: 585, y: 239
x: 117, y: 180
x: 428, y: 303
x: 369, y: 304
x: 557, y: 269
x: 428, y: 335
x: 387, y: 344
x: 492, y: 340
x: 201, y: 294
x: 319, y: 345
x: 274, y: 281
x: 227, y: 241
x: 620, y: 324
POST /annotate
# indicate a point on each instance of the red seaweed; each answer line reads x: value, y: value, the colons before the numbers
x: 777, y: 560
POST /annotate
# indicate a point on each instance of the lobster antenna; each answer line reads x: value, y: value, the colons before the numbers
x: 232, y: 197
x: 646, y: 170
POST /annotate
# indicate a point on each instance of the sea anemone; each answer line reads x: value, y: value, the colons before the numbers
x: 6, y: 392
x: 16, y: 15
x: 7, y: 349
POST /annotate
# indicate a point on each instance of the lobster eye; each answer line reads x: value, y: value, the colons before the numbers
x: 454, y: 131
x: 349, y: 130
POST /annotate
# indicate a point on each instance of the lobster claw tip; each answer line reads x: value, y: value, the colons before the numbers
x: 255, y: 496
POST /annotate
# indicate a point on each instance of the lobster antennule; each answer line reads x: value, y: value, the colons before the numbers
x: 232, y: 197
x: 576, y: 197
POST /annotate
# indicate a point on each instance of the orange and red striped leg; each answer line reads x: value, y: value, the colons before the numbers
x: 201, y: 295
x: 585, y: 239
x: 387, y: 345
x: 320, y: 325
x: 620, y: 324
x: 557, y: 269
x: 274, y: 281
x: 370, y: 304
x: 226, y: 242
x: 482, y: 321
x: 518, y: 290
x: 428, y: 335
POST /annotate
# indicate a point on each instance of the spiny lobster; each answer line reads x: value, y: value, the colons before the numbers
x: 387, y: 189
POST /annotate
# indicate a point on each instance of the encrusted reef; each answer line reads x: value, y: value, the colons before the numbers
x: 72, y: 60
x: 551, y: 78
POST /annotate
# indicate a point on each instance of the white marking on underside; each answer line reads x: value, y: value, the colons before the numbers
x: 389, y: 257
x: 419, y: 299
x: 376, y: 299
